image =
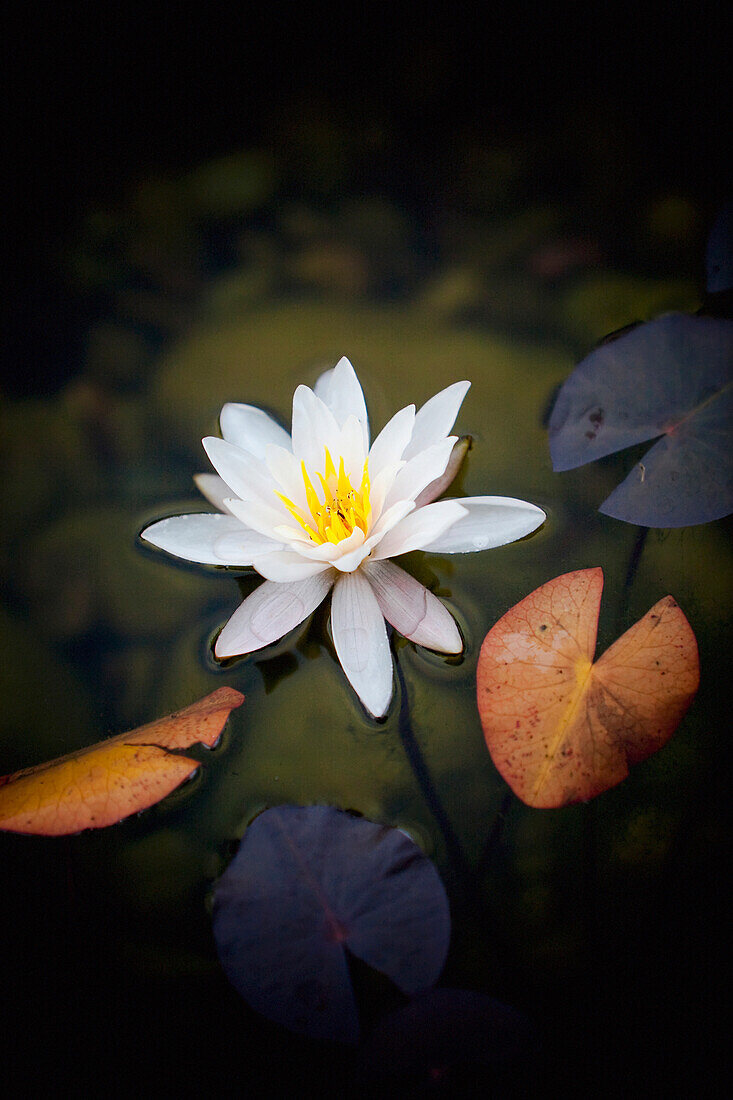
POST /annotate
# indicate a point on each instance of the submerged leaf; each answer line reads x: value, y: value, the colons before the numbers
x: 308, y: 882
x: 719, y: 255
x: 446, y: 1029
x: 562, y: 729
x: 669, y: 378
x: 107, y: 782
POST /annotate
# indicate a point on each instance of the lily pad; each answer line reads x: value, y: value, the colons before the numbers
x: 562, y: 728
x: 669, y: 378
x: 105, y: 783
x: 444, y: 1030
x: 309, y: 882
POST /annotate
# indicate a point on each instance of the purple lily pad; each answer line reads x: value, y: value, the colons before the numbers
x: 670, y: 378
x: 447, y: 1028
x: 306, y: 884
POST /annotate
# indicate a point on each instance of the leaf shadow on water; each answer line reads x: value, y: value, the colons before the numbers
x: 447, y: 1039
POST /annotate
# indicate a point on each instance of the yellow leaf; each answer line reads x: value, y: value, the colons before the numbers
x: 562, y: 729
x: 107, y: 782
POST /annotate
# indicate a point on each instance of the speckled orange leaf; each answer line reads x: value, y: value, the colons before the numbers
x: 562, y: 729
x: 108, y: 781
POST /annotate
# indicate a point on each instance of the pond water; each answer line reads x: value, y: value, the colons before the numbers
x: 600, y: 921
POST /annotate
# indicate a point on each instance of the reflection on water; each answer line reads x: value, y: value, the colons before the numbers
x: 224, y: 285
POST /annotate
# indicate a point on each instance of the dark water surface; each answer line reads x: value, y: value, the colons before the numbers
x: 228, y: 281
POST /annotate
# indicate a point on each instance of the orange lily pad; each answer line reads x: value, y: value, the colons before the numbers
x: 107, y: 782
x: 561, y: 728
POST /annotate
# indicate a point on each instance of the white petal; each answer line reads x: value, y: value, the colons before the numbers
x: 347, y: 562
x: 322, y: 387
x: 248, y: 477
x: 271, y: 611
x: 244, y: 546
x: 421, y: 471
x: 412, y: 609
x: 287, y: 565
x: 390, y: 518
x: 287, y: 472
x: 350, y: 446
x: 432, y: 491
x: 436, y: 418
x: 251, y: 428
x: 314, y: 429
x: 329, y: 551
x: 360, y: 638
x: 341, y: 390
x: 419, y: 529
x: 214, y: 488
x: 261, y: 517
x: 489, y: 522
x: 195, y: 538
x: 387, y: 448
x: 381, y: 485
x: 294, y: 537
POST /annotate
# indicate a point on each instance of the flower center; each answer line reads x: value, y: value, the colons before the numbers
x: 342, y: 509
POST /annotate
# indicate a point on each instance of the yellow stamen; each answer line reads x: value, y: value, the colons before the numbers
x: 343, y: 509
x: 310, y: 494
x: 327, y: 494
x: 344, y: 485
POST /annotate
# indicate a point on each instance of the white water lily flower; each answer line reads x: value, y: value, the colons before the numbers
x: 321, y: 509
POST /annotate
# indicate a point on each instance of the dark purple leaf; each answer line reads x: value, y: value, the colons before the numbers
x: 447, y: 1028
x: 669, y: 378
x: 309, y: 882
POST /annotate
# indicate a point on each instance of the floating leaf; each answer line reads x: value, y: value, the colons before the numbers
x: 446, y: 1029
x: 669, y: 378
x: 309, y: 882
x: 719, y: 255
x: 107, y: 782
x: 562, y: 729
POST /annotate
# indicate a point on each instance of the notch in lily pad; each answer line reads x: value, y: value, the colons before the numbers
x: 306, y: 885
x: 668, y: 380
